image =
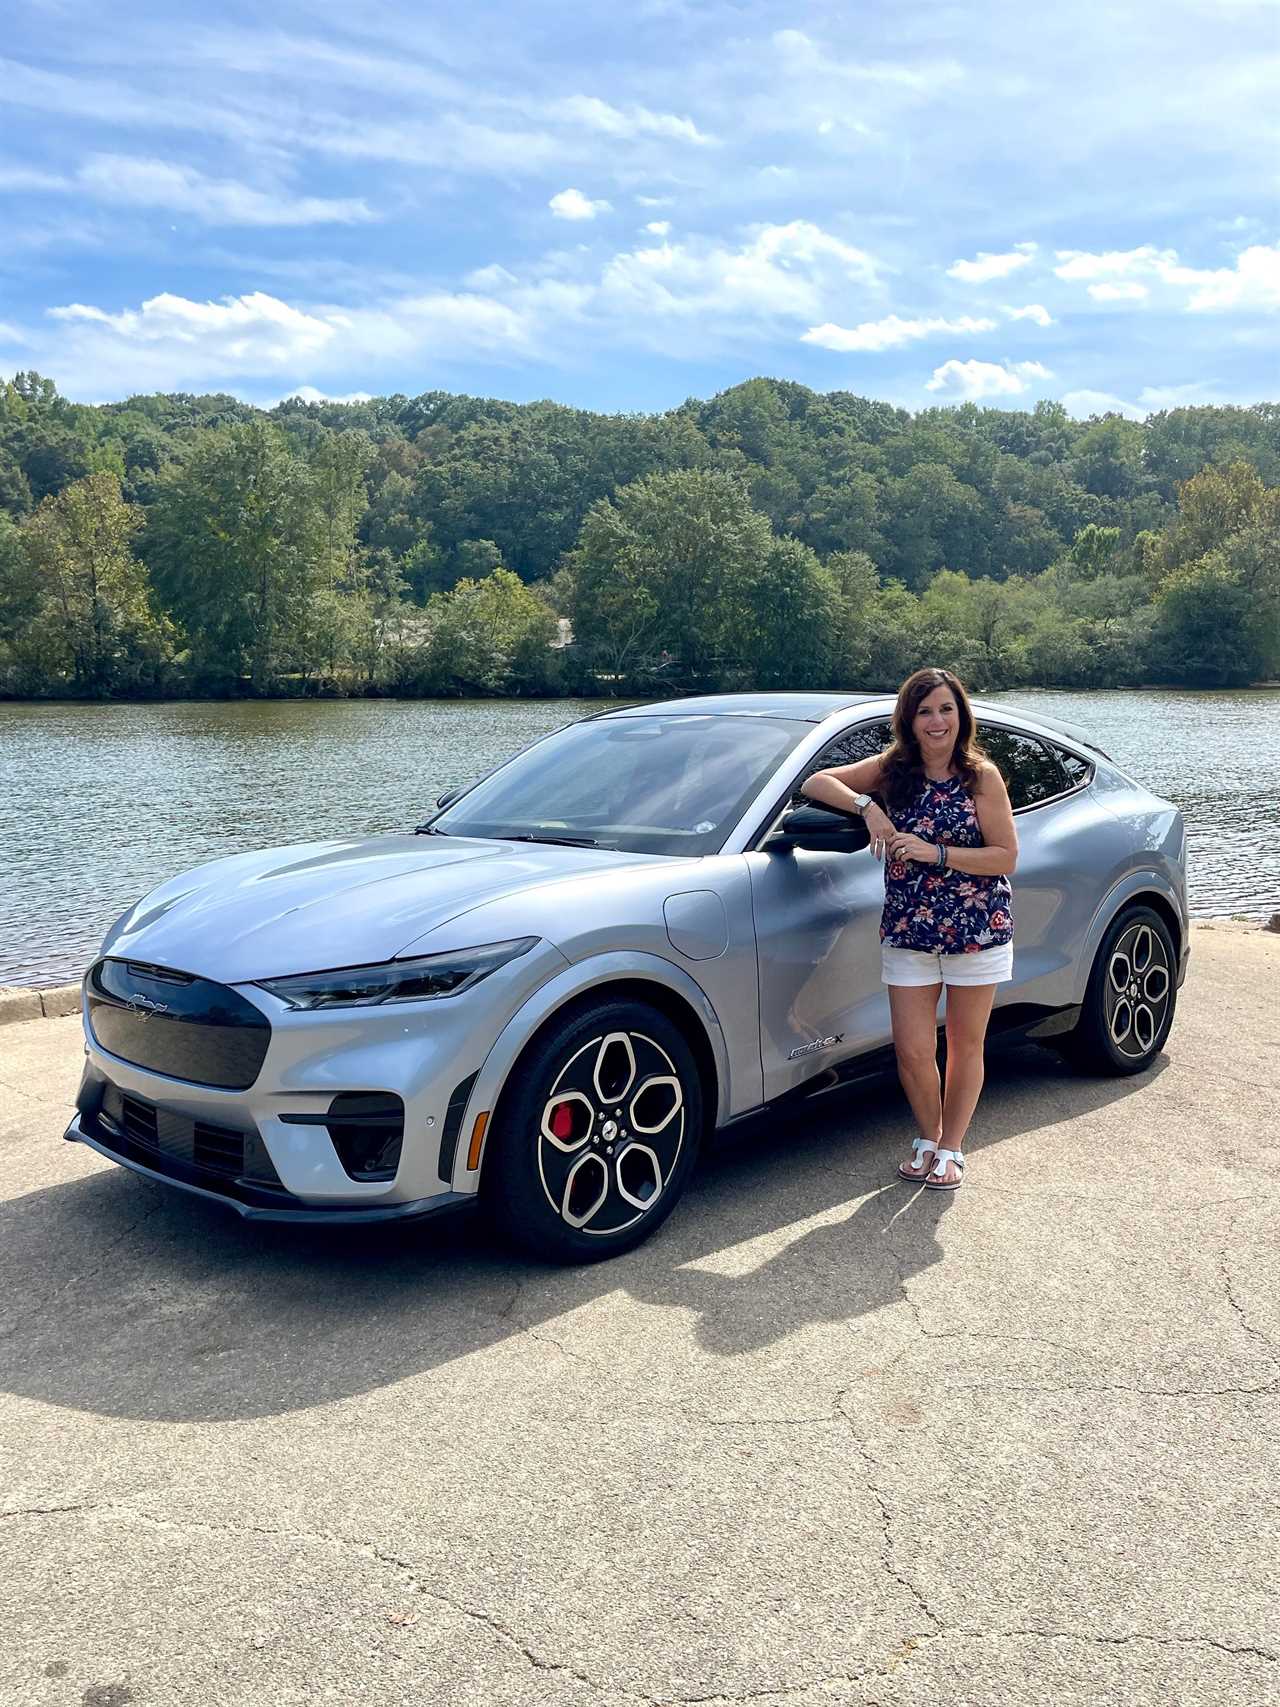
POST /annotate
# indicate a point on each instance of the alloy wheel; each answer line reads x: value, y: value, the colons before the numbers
x: 611, y: 1132
x: 1136, y: 993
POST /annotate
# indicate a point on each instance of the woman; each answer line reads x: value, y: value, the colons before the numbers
x: 950, y: 846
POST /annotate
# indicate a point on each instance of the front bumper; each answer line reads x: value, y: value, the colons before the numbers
x: 254, y: 1202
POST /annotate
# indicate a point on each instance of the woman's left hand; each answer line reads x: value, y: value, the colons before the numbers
x: 904, y: 846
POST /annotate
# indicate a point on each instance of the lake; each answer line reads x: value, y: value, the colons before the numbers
x: 100, y: 802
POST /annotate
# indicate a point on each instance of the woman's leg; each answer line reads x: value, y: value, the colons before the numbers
x: 968, y: 1010
x: 914, y: 1008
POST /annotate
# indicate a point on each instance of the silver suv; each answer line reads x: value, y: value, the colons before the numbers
x: 629, y: 934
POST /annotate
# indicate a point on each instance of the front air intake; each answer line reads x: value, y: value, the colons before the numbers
x: 367, y: 1129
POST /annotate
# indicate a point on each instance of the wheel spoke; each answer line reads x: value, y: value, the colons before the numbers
x: 1121, y: 1021
x: 639, y: 1175
x: 1159, y: 975
x: 585, y: 1189
x: 656, y: 1103
x: 567, y: 1120
x: 615, y: 1067
x: 1120, y: 971
x: 1144, y: 1026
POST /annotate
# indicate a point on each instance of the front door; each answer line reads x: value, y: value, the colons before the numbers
x: 817, y: 918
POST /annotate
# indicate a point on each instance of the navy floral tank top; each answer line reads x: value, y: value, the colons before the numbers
x: 937, y: 909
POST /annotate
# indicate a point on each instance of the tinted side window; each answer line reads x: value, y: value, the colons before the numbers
x: 848, y: 748
x: 1031, y: 769
x: 1078, y: 770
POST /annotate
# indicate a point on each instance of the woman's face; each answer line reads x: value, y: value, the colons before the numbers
x: 937, y: 721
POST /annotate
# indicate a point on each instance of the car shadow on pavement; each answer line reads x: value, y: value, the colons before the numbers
x: 128, y: 1299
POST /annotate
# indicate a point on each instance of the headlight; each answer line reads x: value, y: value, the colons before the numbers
x: 422, y: 980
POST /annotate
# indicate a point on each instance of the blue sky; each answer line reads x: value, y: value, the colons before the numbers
x: 620, y: 207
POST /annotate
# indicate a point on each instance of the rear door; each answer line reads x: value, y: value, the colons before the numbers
x: 1060, y: 837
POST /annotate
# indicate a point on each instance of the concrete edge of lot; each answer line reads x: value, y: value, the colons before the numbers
x: 19, y: 1002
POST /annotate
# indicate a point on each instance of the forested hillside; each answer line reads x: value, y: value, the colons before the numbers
x: 773, y: 536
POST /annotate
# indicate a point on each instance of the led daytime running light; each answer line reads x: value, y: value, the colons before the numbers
x: 426, y: 979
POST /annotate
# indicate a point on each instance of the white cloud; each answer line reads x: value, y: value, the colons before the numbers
x: 976, y: 379
x: 1082, y: 404
x: 130, y: 181
x: 25, y: 178
x: 255, y: 322
x: 1253, y: 283
x: 889, y: 333
x: 309, y: 394
x: 1081, y: 264
x: 572, y: 204
x: 803, y: 57
x: 984, y: 267
x: 10, y: 334
x: 655, y: 201
x: 214, y: 201
x: 627, y: 122
x: 1118, y: 290
x: 788, y: 271
x: 658, y: 227
x: 493, y: 277
x: 171, y: 342
x: 1033, y: 311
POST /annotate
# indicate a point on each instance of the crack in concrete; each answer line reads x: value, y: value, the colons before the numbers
x: 47, y: 1510
x: 886, y: 1514
x: 913, y: 1641
x: 1273, y: 1354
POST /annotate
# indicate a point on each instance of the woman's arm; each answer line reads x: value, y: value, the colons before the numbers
x: 838, y: 786
x: 999, y: 857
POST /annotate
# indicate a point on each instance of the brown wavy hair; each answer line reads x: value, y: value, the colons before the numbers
x: 903, y: 772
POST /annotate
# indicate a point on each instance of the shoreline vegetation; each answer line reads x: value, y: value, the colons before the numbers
x: 176, y: 547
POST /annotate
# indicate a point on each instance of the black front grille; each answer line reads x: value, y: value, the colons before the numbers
x: 226, y: 1151
x: 175, y: 1024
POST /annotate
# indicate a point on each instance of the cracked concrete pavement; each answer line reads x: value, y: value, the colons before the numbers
x: 825, y: 1439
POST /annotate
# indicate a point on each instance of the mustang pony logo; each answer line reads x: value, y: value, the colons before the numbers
x: 143, y: 1006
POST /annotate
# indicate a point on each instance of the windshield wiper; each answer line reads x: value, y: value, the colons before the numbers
x: 430, y: 830
x: 557, y: 841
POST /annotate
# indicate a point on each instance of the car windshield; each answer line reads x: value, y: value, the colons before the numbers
x: 642, y: 784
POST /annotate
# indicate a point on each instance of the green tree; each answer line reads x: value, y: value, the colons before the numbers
x: 238, y: 547
x: 667, y: 567
x: 87, y: 596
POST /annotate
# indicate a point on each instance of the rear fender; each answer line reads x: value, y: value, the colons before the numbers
x: 1134, y: 886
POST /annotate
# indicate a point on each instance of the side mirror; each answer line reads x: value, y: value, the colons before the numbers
x: 450, y: 795
x: 819, y: 829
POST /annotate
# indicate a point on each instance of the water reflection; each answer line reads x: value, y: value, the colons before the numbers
x: 99, y: 803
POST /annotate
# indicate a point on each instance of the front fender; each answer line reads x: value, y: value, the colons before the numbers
x: 574, y: 981
x: 1133, y: 886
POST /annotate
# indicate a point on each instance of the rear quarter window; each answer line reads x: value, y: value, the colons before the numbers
x: 1033, y: 770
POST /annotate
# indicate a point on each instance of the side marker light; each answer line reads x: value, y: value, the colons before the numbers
x: 477, y: 1141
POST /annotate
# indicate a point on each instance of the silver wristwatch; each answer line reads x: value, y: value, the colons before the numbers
x: 861, y: 801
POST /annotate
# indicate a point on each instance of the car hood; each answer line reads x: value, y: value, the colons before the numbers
x: 337, y: 903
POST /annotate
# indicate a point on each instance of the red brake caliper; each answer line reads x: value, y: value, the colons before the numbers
x: 562, y: 1120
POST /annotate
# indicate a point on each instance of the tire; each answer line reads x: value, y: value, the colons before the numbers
x: 584, y: 1161
x: 1130, y: 999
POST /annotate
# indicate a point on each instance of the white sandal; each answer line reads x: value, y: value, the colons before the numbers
x: 920, y: 1148
x: 940, y: 1160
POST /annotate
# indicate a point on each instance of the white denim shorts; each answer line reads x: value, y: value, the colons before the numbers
x: 917, y: 966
